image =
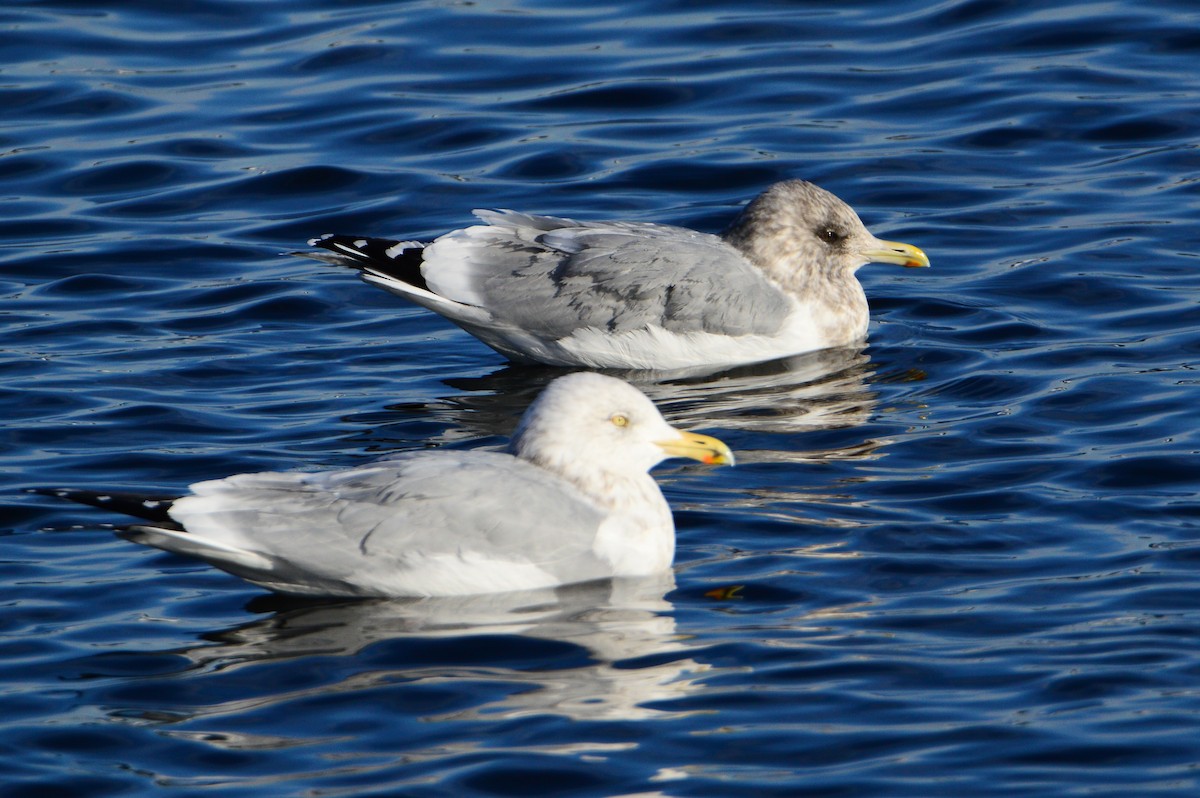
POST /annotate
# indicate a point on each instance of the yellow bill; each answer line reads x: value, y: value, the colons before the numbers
x: 897, y: 253
x: 698, y: 447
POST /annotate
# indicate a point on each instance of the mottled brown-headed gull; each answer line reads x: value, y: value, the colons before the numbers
x: 569, y: 501
x: 634, y: 295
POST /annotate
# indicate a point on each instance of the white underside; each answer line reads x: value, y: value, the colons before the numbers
x: 648, y: 348
x: 416, y: 575
x: 443, y: 575
x: 656, y: 348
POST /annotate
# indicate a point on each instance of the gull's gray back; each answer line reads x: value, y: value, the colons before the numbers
x: 552, y: 276
x: 373, y: 522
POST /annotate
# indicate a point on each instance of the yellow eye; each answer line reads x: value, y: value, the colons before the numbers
x: 620, y: 420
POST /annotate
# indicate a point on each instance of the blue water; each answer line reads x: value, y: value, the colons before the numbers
x: 968, y: 555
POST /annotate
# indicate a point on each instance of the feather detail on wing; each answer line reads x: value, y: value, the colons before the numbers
x: 389, y: 523
x: 552, y: 277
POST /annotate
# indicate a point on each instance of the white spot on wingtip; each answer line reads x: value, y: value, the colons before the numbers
x: 396, y: 249
x: 361, y: 243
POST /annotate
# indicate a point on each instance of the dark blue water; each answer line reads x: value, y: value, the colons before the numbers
x: 969, y: 555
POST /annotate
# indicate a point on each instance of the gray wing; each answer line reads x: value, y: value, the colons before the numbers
x: 493, y: 505
x: 552, y: 276
x: 360, y: 530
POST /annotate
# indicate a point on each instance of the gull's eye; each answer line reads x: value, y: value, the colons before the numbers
x: 619, y: 420
x: 829, y: 235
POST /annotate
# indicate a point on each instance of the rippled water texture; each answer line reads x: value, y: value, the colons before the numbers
x: 962, y: 561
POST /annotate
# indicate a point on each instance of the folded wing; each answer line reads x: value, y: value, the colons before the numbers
x: 552, y: 276
x: 434, y: 523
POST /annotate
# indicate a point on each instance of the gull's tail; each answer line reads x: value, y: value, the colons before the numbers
x: 148, y: 508
x: 380, y: 257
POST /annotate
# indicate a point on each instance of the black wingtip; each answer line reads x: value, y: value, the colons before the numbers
x: 400, y: 260
x: 150, y: 508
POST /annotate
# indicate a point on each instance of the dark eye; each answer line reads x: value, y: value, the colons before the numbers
x: 829, y: 235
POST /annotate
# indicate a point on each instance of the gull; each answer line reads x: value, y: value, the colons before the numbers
x: 570, y: 500
x: 635, y: 295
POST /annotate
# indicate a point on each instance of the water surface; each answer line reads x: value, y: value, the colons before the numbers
x: 966, y: 553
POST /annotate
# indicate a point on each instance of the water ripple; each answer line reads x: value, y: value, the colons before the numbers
x: 959, y: 560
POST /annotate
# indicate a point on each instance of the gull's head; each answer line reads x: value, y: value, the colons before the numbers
x: 588, y: 422
x: 796, y: 225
